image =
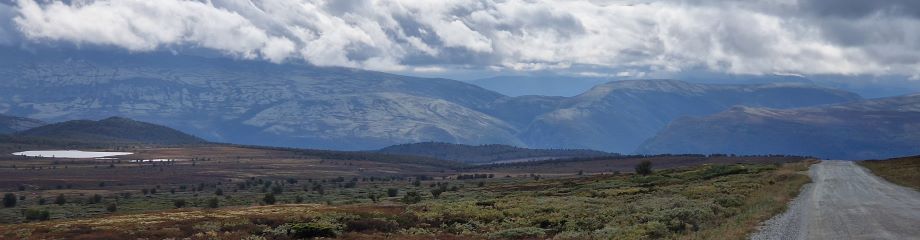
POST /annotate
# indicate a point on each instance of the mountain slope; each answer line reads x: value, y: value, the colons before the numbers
x: 619, y: 116
x: 877, y: 128
x: 296, y: 105
x: 565, y: 86
x: 113, y: 129
x: 484, y: 153
x: 10, y: 124
x: 250, y: 102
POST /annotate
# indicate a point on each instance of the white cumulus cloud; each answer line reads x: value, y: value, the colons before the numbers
x: 747, y: 37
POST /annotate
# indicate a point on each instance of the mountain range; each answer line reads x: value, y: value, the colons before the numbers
x: 11, y: 124
x: 297, y: 105
x: 871, y: 129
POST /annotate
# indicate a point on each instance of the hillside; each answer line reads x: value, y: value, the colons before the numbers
x: 619, y: 116
x: 250, y: 102
x: 870, y: 129
x: 302, y: 106
x: 10, y: 124
x: 485, y: 153
x: 111, y: 130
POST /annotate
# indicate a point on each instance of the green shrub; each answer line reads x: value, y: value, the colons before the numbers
x: 436, y: 192
x: 269, y: 199
x: 519, y: 233
x: 655, y: 229
x: 37, y: 215
x: 96, y: 198
x: 213, y: 203
x: 179, y: 203
x: 60, y: 199
x: 111, y: 207
x: 370, y: 225
x: 392, y: 192
x: 722, y: 170
x: 729, y: 201
x: 9, y: 200
x: 314, y: 230
x: 412, y: 198
x: 644, y: 167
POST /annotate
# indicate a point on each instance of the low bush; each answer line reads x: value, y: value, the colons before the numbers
x: 179, y: 203
x: 9, y: 200
x: 644, y: 168
x: 520, y: 233
x: 314, y: 230
x: 37, y: 215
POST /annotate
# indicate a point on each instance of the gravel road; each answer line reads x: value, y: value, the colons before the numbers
x: 846, y: 201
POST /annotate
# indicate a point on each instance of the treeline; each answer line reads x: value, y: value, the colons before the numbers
x: 485, y: 153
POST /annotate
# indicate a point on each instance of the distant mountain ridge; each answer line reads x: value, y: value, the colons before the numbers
x: 874, y: 128
x: 11, y: 124
x: 619, y: 116
x: 488, y: 153
x: 111, y: 130
x: 292, y: 105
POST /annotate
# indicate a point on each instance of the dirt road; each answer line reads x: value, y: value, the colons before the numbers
x: 847, y: 201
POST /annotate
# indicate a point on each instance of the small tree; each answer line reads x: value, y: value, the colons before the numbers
x: 179, y: 203
x: 9, y: 200
x: 269, y: 199
x: 219, y: 192
x: 392, y: 192
x: 298, y: 199
x: 412, y: 198
x: 436, y: 192
x: 373, y: 196
x: 111, y: 207
x: 37, y: 215
x: 644, y: 168
x: 60, y: 199
x: 96, y: 198
x: 213, y: 203
x: 319, y: 189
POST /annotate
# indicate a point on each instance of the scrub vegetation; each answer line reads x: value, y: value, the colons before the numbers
x: 902, y: 171
x: 338, y: 199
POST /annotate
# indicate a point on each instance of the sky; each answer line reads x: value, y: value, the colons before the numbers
x: 629, y: 38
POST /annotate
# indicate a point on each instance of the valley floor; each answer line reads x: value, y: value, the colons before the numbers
x: 708, y: 201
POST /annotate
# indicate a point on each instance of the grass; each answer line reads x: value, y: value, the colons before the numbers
x: 723, y: 201
x: 902, y: 171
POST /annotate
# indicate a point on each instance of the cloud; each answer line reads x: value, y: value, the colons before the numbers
x: 741, y: 37
x: 148, y: 25
x: 862, y: 8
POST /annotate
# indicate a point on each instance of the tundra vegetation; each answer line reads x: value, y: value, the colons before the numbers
x: 355, y: 199
x: 902, y: 171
